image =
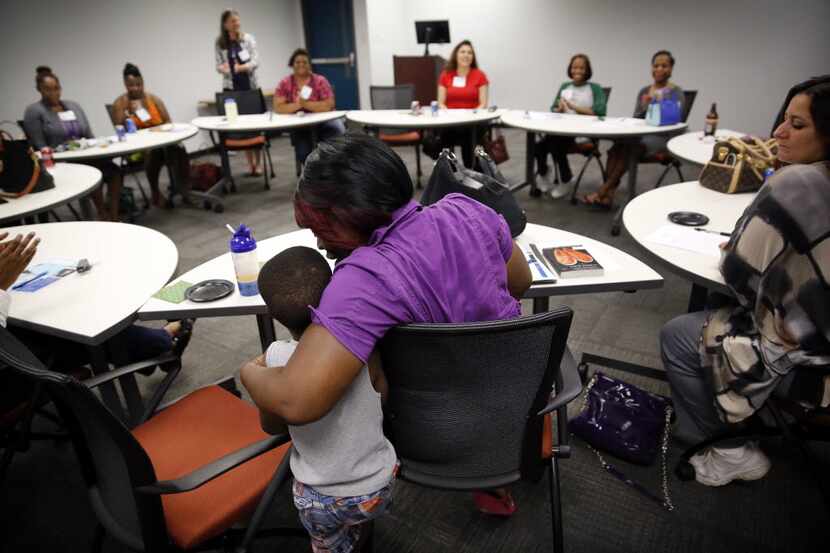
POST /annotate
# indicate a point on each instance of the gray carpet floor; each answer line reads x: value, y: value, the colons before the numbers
x: 45, y: 508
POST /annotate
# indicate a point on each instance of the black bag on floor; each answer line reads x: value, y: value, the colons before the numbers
x: 21, y: 171
x: 449, y: 177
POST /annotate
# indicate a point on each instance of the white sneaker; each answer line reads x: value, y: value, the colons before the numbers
x: 545, y: 182
x: 562, y: 190
x: 717, y: 467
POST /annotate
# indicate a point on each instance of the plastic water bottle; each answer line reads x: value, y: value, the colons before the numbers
x: 231, y: 113
x: 653, y: 112
x: 245, y: 261
x: 130, y: 125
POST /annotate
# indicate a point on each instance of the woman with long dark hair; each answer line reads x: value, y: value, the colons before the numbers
x: 723, y: 365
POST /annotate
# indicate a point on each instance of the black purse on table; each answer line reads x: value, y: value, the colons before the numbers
x: 21, y: 171
x: 449, y: 177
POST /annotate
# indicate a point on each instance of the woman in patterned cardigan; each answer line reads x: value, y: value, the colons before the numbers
x: 723, y: 364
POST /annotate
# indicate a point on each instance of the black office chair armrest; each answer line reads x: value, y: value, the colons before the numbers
x: 109, y: 376
x: 217, y: 468
x: 570, y: 386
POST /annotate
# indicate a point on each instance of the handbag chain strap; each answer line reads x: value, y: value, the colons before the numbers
x: 666, y: 501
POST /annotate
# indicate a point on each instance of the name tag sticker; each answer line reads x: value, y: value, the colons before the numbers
x: 305, y: 92
x: 68, y: 115
x: 243, y: 55
x: 459, y: 82
x: 143, y: 115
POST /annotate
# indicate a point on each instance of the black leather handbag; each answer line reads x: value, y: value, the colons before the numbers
x: 449, y: 177
x: 21, y: 171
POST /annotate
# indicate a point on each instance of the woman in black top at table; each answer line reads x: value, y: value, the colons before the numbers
x: 54, y: 121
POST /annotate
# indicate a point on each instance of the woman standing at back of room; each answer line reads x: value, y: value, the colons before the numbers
x: 237, y: 60
x: 462, y: 85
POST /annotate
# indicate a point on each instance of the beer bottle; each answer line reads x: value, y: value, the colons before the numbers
x: 711, y: 121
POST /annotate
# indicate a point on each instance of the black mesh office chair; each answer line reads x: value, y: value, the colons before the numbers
x: 664, y: 157
x: 590, y: 150
x: 468, y: 402
x: 398, y: 97
x: 248, y: 102
x: 124, y: 469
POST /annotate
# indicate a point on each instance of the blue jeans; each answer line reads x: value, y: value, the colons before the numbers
x: 302, y: 139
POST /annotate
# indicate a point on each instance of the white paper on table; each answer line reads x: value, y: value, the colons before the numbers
x: 539, y: 271
x: 542, y: 115
x: 687, y: 238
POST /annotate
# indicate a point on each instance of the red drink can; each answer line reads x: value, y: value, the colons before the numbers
x: 46, y: 156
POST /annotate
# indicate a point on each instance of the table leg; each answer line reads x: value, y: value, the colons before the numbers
x: 633, y: 163
x: 173, y: 175
x: 87, y: 211
x: 267, y: 334
x: 541, y: 305
x: 530, y: 164
x: 697, y: 298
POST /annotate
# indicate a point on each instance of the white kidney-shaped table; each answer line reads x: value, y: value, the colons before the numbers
x: 72, y: 181
x: 139, y: 141
x: 694, y: 255
x: 130, y: 263
x: 622, y: 272
x: 259, y: 122
x: 623, y: 129
x: 694, y: 148
x: 423, y: 119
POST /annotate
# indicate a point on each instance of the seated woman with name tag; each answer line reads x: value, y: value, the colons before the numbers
x: 53, y: 121
x: 306, y: 92
x: 462, y: 85
x: 147, y: 110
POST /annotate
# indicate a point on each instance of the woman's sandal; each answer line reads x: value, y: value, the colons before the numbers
x: 493, y: 503
x: 597, y: 201
x: 182, y: 338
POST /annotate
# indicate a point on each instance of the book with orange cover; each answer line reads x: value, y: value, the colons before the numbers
x: 572, y: 261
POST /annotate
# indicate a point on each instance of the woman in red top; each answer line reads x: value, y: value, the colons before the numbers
x: 462, y: 85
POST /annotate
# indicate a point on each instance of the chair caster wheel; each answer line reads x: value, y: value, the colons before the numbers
x: 207, y: 205
x: 685, y: 471
x: 218, y: 208
x: 574, y: 201
x: 615, y: 230
x: 535, y: 193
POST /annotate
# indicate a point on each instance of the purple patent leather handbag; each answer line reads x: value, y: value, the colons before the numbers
x: 622, y: 419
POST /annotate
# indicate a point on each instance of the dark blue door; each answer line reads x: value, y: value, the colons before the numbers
x: 329, y: 36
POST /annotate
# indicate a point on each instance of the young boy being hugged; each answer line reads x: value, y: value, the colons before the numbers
x: 343, y: 465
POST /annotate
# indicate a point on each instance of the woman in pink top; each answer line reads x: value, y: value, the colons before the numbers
x: 304, y: 91
x: 462, y: 85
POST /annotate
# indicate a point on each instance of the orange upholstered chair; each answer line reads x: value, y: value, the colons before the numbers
x: 181, y: 478
x: 397, y: 97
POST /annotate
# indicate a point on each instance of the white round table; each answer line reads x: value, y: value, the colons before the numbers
x: 260, y: 122
x: 648, y: 212
x: 694, y: 148
x: 145, y: 139
x: 265, y: 121
x: 404, y: 119
x: 72, y: 181
x: 623, y: 272
x: 129, y: 264
x: 627, y: 129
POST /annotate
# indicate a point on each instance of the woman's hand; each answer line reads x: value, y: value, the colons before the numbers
x: 15, y: 256
x: 224, y: 68
x: 565, y: 105
x: 244, y: 68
